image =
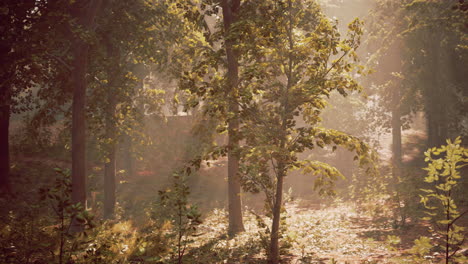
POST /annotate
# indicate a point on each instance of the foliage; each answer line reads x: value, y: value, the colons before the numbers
x: 21, y: 239
x: 24, y: 50
x: 183, y: 217
x: 32, y: 138
x: 67, y: 214
x: 111, y: 243
x: 415, y: 49
x: 404, y: 51
x: 443, y: 175
x: 393, y: 242
x: 292, y: 58
x: 422, y: 247
x: 134, y: 37
x: 296, y: 71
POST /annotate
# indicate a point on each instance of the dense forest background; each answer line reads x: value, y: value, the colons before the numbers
x: 233, y: 131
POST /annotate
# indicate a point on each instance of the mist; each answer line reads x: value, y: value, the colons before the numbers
x: 232, y: 131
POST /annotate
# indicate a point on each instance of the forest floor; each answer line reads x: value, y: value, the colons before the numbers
x: 336, y: 234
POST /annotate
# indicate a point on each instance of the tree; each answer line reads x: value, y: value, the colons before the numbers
x: 429, y: 37
x: 293, y: 57
x: 212, y: 80
x: 110, y: 165
x: 83, y: 13
x: 22, y: 51
x: 230, y: 14
x: 439, y: 76
x: 411, y: 51
x: 443, y: 173
x: 138, y: 38
x: 387, y: 61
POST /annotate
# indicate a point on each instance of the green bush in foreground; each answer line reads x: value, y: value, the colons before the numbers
x: 443, y: 175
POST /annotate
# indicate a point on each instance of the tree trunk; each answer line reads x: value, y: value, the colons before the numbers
x: 5, y: 102
x: 436, y: 105
x: 396, y: 128
x: 127, y: 156
x: 109, y: 184
x: 5, y: 187
x: 234, y: 186
x: 110, y: 166
x: 396, y: 150
x: 273, y: 254
x: 84, y: 12
x: 230, y: 10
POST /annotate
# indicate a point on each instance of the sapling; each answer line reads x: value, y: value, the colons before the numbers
x: 443, y: 175
x: 58, y: 196
x: 185, y: 217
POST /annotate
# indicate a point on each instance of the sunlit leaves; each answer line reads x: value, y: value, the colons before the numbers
x: 326, y: 175
x: 292, y: 59
x: 443, y: 175
x: 422, y: 247
x: 183, y: 216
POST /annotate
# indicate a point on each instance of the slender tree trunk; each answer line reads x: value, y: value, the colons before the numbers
x: 230, y: 9
x: 78, y: 128
x: 127, y: 156
x: 273, y: 256
x: 396, y: 128
x: 109, y: 184
x: 110, y: 165
x: 447, y: 230
x: 5, y: 187
x: 5, y: 102
x: 84, y: 12
x: 396, y: 150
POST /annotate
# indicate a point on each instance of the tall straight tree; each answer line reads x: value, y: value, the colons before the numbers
x: 24, y: 63
x: 213, y: 79
x: 110, y: 164
x: 4, y: 143
x: 230, y: 15
x: 131, y: 33
x: 13, y: 34
x: 83, y: 14
x: 292, y: 59
x: 433, y: 50
x: 419, y: 49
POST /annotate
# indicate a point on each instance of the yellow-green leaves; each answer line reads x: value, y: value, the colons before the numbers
x: 326, y: 175
x: 421, y: 248
x: 443, y: 175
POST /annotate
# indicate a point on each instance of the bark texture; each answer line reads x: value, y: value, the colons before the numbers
x: 281, y: 169
x: 110, y: 165
x: 109, y: 180
x: 396, y: 128
x: 397, y: 153
x: 273, y: 255
x: 84, y: 13
x: 437, y: 95
x: 5, y: 187
x: 230, y: 11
